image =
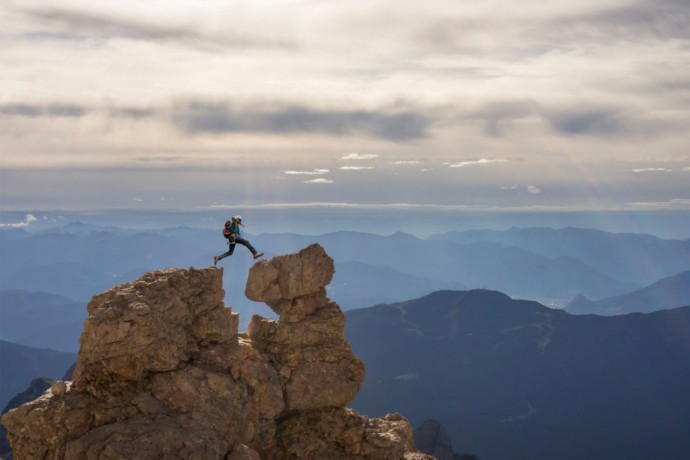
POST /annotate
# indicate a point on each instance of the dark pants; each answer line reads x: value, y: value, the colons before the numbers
x: 231, y: 249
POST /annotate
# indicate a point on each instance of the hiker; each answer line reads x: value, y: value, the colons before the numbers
x: 232, y: 233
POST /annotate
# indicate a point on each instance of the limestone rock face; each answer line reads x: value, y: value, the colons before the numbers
x: 163, y: 373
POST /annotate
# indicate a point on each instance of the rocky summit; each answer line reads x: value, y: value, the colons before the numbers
x: 163, y: 373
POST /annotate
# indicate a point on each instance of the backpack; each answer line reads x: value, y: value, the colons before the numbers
x: 226, y: 230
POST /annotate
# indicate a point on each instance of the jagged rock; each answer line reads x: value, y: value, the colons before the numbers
x: 154, y: 324
x: 36, y: 389
x: 307, y: 343
x: 290, y: 276
x: 342, y: 433
x: 163, y: 373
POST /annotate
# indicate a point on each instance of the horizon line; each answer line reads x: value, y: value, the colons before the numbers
x: 675, y: 205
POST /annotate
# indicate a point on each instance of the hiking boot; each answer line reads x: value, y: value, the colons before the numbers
x: 215, y: 260
x: 258, y: 254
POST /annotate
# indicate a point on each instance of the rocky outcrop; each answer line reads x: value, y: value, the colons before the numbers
x: 36, y: 388
x: 163, y: 373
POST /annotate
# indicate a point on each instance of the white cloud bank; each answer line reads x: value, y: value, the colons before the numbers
x: 320, y: 180
x: 315, y: 172
x: 406, y: 163
x: 359, y: 156
x: 28, y: 220
x: 483, y: 161
x: 645, y: 170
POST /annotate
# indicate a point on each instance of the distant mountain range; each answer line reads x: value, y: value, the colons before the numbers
x: 553, y: 266
x: 481, y: 264
x: 512, y: 379
x: 635, y: 258
x: 670, y: 292
x: 77, y: 261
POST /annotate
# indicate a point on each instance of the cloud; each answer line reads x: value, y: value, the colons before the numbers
x: 483, y: 161
x: 320, y: 180
x: 598, y: 121
x: 581, y: 118
x: 81, y: 23
x: 50, y: 110
x: 673, y: 204
x: 355, y: 168
x: 73, y: 111
x: 131, y: 112
x: 406, y: 163
x: 533, y: 189
x: 359, y: 156
x: 315, y: 172
x: 644, y: 170
x: 209, y: 117
x: 657, y: 19
x: 70, y: 24
x: 407, y: 377
x: 495, y: 114
x: 426, y: 206
x: 28, y: 220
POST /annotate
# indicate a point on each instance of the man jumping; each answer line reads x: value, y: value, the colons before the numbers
x: 232, y: 233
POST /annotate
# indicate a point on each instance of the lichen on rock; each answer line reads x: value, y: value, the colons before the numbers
x: 163, y: 373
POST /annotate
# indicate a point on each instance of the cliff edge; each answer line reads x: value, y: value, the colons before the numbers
x: 163, y: 373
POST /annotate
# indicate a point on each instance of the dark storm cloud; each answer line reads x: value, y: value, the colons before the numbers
x: 136, y: 113
x: 588, y: 121
x: 200, y: 117
x: 642, y: 20
x: 523, y: 37
x: 79, y: 25
x: 73, y: 111
x: 33, y: 111
x: 584, y: 119
x: 53, y: 36
x: 107, y: 27
x: 496, y: 114
x: 657, y: 18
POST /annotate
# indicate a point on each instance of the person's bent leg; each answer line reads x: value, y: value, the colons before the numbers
x: 246, y: 243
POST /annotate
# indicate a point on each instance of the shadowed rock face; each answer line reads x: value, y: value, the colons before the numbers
x: 163, y: 373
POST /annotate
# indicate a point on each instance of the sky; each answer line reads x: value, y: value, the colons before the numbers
x: 453, y: 105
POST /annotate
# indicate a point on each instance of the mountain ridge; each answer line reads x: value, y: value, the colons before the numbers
x: 613, y: 253
x: 670, y: 292
x: 513, y: 379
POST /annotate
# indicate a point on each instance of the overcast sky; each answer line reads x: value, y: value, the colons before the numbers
x: 498, y: 104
